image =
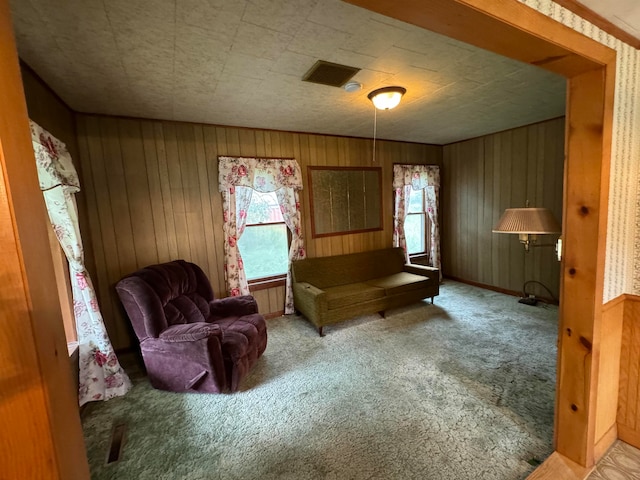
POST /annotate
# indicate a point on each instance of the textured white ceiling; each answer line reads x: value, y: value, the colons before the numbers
x: 622, y: 13
x: 241, y: 62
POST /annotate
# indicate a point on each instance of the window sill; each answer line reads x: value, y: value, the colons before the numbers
x: 419, y: 259
x: 265, y: 283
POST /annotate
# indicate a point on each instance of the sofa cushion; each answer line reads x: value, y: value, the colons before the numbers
x: 325, y: 272
x: 351, y: 294
x: 400, y: 283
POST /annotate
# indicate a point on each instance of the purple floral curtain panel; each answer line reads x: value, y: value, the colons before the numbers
x: 417, y: 177
x: 237, y: 174
x: 101, y: 376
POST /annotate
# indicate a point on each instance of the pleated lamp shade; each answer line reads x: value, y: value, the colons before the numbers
x: 534, y: 221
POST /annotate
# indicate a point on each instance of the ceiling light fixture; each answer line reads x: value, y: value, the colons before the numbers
x: 387, y: 98
x: 384, y: 98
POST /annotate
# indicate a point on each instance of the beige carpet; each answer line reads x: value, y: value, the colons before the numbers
x: 463, y: 389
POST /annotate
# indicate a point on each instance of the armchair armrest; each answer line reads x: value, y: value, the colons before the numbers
x: 308, y: 297
x: 190, y: 332
x: 430, y: 272
x: 230, y: 306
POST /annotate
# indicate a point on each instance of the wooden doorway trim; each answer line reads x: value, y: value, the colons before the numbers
x: 512, y: 29
x: 41, y: 435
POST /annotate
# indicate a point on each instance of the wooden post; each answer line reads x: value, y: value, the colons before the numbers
x: 585, y: 219
x: 41, y: 435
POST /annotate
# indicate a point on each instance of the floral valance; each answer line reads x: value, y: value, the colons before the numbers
x: 53, y: 160
x: 261, y: 174
x: 418, y: 176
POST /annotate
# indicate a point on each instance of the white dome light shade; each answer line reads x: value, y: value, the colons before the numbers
x: 387, y: 97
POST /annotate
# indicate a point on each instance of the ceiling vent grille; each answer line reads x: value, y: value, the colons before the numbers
x: 332, y: 74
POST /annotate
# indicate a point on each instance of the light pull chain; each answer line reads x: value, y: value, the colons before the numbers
x: 375, y: 126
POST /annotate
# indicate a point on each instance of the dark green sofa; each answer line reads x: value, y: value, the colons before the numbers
x: 328, y: 290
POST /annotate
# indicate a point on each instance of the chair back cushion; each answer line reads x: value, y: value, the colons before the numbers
x: 159, y: 296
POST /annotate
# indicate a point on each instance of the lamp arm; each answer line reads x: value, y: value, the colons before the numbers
x: 557, y: 245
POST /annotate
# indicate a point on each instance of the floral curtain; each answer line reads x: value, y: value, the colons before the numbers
x: 400, y: 215
x: 417, y: 177
x: 235, y: 203
x: 290, y: 207
x: 280, y: 175
x: 101, y: 376
x: 432, y: 194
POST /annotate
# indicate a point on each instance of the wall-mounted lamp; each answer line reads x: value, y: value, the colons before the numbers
x: 528, y: 223
x: 387, y: 98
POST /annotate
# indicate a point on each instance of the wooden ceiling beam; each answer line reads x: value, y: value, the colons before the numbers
x: 536, y: 40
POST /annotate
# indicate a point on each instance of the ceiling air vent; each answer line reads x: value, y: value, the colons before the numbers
x: 332, y: 74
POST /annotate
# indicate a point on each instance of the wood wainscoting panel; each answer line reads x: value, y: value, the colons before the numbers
x: 609, y: 375
x: 152, y: 196
x: 629, y: 395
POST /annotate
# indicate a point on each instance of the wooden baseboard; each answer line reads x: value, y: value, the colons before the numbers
x: 629, y: 435
x: 603, y: 445
x: 513, y: 293
x: 269, y: 316
x: 559, y: 467
x: 482, y: 285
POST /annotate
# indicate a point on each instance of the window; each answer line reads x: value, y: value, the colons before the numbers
x: 264, y: 244
x: 417, y: 225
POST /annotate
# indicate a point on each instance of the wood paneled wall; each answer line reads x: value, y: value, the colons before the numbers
x: 48, y: 110
x: 481, y: 178
x: 152, y: 196
x: 608, y: 375
x: 629, y: 393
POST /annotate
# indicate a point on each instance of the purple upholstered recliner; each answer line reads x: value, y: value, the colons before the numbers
x: 191, y: 342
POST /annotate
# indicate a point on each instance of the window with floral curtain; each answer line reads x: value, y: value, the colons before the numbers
x: 101, y: 376
x: 238, y: 177
x: 408, y: 178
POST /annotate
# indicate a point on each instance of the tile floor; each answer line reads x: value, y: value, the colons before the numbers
x: 622, y: 462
